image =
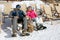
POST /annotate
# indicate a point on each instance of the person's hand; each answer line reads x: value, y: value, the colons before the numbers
x: 27, y: 17
x: 17, y: 17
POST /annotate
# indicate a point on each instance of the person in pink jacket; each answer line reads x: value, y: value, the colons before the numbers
x: 32, y: 15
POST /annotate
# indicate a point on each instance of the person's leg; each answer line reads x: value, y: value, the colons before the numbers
x: 39, y: 23
x: 24, y: 27
x: 35, y: 24
x: 25, y: 23
x: 14, y: 27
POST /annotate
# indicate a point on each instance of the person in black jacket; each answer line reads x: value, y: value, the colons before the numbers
x: 18, y: 16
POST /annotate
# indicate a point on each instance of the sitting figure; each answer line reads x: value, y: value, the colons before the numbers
x: 18, y: 16
x: 35, y: 19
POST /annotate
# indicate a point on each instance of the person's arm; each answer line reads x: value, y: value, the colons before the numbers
x: 13, y: 14
x: 35, y: 14
x: 28, y: 15
x: 23, y: 14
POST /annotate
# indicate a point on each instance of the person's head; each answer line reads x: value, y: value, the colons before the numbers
x: 18, y: 6
x: 29, y: 8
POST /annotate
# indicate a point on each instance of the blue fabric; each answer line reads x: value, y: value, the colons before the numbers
x: 14, y: 13
x: 19, y: 13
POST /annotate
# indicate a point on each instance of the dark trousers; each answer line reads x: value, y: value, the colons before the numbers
x: 24, y: 22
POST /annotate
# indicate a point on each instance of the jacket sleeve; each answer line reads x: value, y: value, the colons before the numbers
x: 12, y: 14
x: 23, y: 14
x: 35, y: 14
x: 28, y: 14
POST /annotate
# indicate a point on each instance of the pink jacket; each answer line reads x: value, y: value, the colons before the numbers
x: 31, y: 14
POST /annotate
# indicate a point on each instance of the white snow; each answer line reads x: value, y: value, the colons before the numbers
x: 51, y: 33
x: 28, y: 3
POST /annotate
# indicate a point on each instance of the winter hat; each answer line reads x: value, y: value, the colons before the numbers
x: 18, y: 6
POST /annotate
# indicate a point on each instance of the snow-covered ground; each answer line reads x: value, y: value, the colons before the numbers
x: 51, y: 33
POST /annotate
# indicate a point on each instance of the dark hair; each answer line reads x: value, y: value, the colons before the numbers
x: 28, y: 8
x: 18, y: 6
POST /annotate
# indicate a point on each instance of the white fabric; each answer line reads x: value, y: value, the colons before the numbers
x: 39, y: 20
x: 34, y: 24
x: 20, y: 25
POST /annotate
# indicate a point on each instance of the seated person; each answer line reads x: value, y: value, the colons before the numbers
x: 19, y: 17
x: 34, y: 17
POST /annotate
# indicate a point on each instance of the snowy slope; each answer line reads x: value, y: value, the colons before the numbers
x: 51, y: 33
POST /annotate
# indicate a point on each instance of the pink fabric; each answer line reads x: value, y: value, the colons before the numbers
x: 31, y: 14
